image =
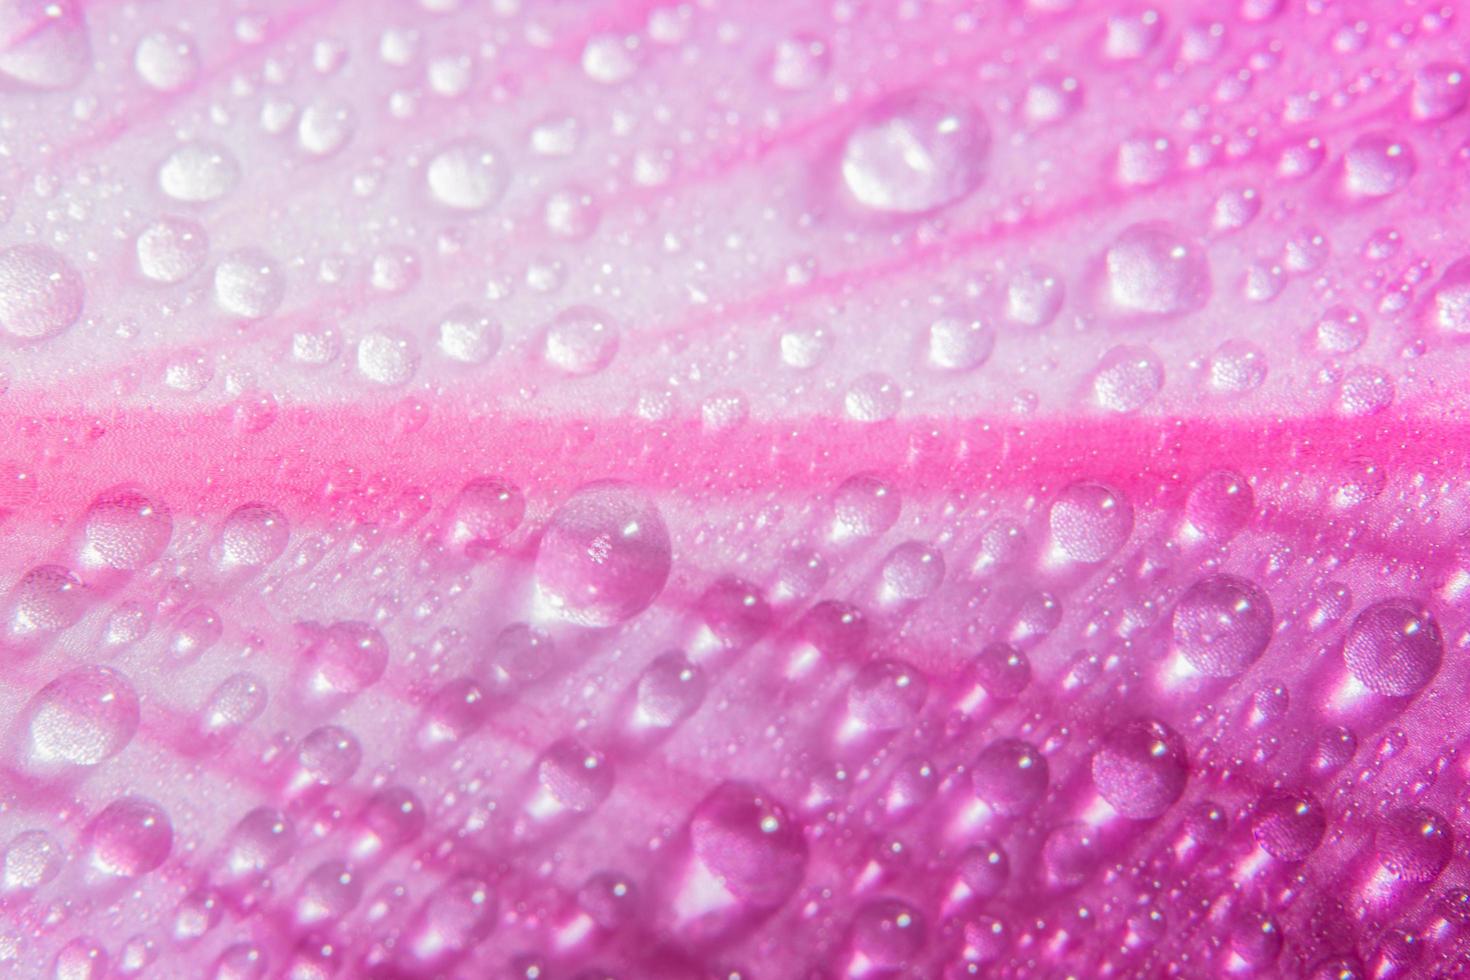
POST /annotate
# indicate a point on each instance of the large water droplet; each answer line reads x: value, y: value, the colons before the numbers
x: 1010, y: 775
x: 1152, y: 269
x: 171, y: 249
x: 1141, y: 769
x: 581, y: 340
x: 32, y: 858
x: 198, y: 173
x: 44, y: 43
x: 750, y: 843
x: 166, y: 60
x: 126, y: 529
x: 1289, y: 826
x: 82, y: 718
x: 604, y: 556
x: 253, y: 535
x: 41, y: 293
x: 1222, y: 624
x: 915, y: 152
x: 1090, y: 522
x: 130, y: 837
x: 1414, y: 844
x: 467, y: 176
x: 1394, y: 647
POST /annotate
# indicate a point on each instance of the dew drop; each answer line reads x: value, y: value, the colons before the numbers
x: 198, y: 173
x: 575, y: 777
x: 959, y: 343
x: 387, y: 358
x: 41, y: 293
x: 32, y: 858
x: 1414, y: 844
x: 887, y: 937
x: 1153, y: 270
x: 750, y: 843
x: 1141, y: 769
x: 1219, y: 505
x: 469, y: 334
x: 604, y: 556
x: 254, y: 535
x: 1090, y: 522
x: 44, y: 45
x: 167, y: 61
x: 1377, y: 165
x: 916, y: 152
x: 82, y: 718
x: 1222, y: 624
x: 1440, y: 90
x: 1394, y: 647
x: 1128, y: 378
x: 886, y: 696
x: 1341, y: 330
x: 1288, y: 826
x: 126, y: 529
x: 324, y: 127
x: 800, y: 62
x: 669, y: 691
x: 467, y: 176
x: 347, y: 658
x: 1010, y: 775
x: 581, y: 340
x: 236, y: 702
x: 249, y: 283
x: 1034, y: 296
x: 130, y: 837
x: 171, y: 249
x: 864, y: 506
x: 1237, y: 367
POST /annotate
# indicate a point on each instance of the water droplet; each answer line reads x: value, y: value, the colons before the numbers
x: 1414, y: 844
x: 467, y: 176
x: 253, y: 535
x: 346, y: 659
x: 886, y: 696
x: 1051, y: 97
x: 575, y: 778
x: 327, y: 756
x: 197, y: 630
x: 263, y: 839
x: 41, y: 293
x: 44, y: 45
x: 325, y: 126
x: 1450, y: 308
x: 1222, y: 625
x: 198, y: 173
x: 1341, y: 330
x: 236, y: 702
x: 916, y: 152
x: 960, y: 343
x: 242, y: 961
x: 387, y: 358
x: 1153, y: 270
x: 1237, y: 367
x: 454, y: 919
x: 864, y: 506
x: 669, y: 691
x: 1377, y: 165
x: 873, y: 397
x: 129, y: 837
x: 1010, y: 775
x: 329, y: 892
x: 735, y: 613
x: 800, y: 62
x: 248, y: 283
x: 604, y: 556
x: 1394, y: 647
x: 1128, y: 378
x: 469, y: 334
x: 82, y: 718
x: 167, y: 60
x: 750, y: 844
x: 610, y: 59
x: 486, y: 510
x: 1364, y: 391
x: 1288, y: 826
x: 126, y: 529
x: 81, y: 959
x: 887, y: 937
x: 1034, y: 296
x: 1440, y: 90
x: 581, y: 340
x: 1141, y: 769
x: 571, y: 213
x: 1219, y: 506
x: 171, y: 249
x: 32, y: 858
x: 1090, y: 522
